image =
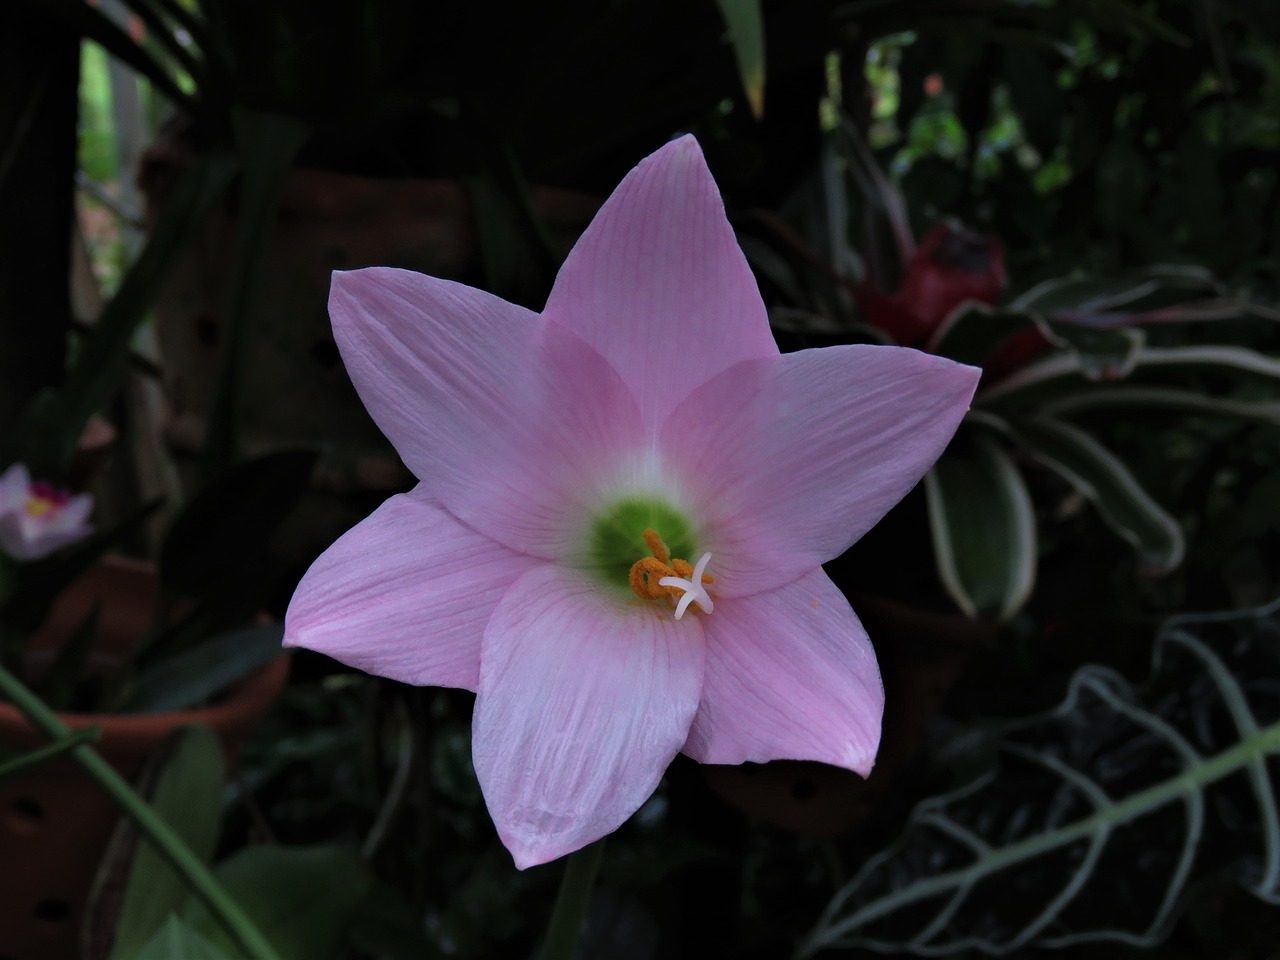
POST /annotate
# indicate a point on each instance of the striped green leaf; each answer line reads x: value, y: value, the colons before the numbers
x: 1169, y: 399
x: 983, y: 528
x: 1108, y: 484
x: 1051, y: 378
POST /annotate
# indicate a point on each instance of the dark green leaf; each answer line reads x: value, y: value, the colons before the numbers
x: 93, y: 24
x: 1107, y: 483
x: 1103, y: 354
x: 746, y: 36
x: 231, y: 519
x: 983, y: 528
x: 1051, y: 378
x: 1171, y: 399
x: 198, y: 673
x: 1084, y: 296
x: 303, y: 899
x: 187, y: 793
x: 176, y: 940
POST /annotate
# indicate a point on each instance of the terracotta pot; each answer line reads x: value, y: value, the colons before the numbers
x: 54, y: 822
x: 921, y: 655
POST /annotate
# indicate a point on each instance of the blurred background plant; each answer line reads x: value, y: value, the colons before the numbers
x: 1094, y: 188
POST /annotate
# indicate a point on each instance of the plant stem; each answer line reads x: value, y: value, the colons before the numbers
x: 565, y: 927
x: 170, y: 846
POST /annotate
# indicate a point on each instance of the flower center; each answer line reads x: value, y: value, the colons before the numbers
x: 43, y: 498
x: 662, y: 576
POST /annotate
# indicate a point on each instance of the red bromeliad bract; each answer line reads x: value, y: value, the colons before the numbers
x: 952, y: 266
x: 625, y: 502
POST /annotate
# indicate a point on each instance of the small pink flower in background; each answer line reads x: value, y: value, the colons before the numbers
x: 36, y: 519
x: 951, y: 266
x: 625, y: 502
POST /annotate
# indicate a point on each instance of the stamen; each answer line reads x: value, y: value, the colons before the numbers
x: 39, y: 506
x: 645, y: 574
x: 693, y: 589
x: 661, y: 575
x: 656, y: 546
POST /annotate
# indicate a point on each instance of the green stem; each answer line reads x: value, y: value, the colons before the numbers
x: 565, y: 927
x: 51, y: 751
x: 149, y: 823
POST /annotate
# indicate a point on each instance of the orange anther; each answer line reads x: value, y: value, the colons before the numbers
x: 647, y: 571
x: 645, y: 574
x: 656, y: 546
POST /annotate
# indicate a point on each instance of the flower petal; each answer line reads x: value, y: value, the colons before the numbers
x: 584, y: 700
x: 15, y: 487
x: 73, y: 514
x: 509, y: 420
x: 790, y: 676
x: 659, y: 285
x: 405, y: 594
x: 792, y: 459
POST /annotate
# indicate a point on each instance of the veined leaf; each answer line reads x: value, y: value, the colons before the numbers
x: 1173, y: 400
x: 983, y: 529
x: 746, y: 36
x: 1096, y: 472
x: 1097, y: 815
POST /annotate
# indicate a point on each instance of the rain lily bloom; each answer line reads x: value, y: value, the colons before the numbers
x: 36, y: 519
x: 624, y: 505
x: 952, y: 266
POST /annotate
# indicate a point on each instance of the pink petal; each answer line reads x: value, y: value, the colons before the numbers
x: 510, y: 421
x: 75, y: 512
x: 659, y: 285
x: 584, y: 700
x: 790, y: 676
x: 15, y: 486
x: 405, y: 594
x: 793, y: 459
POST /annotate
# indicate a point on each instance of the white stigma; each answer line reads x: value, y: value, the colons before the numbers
x: 693, y: 588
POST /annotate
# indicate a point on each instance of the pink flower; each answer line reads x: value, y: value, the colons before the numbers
x: 575, y: 465
x: 36, y: 519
